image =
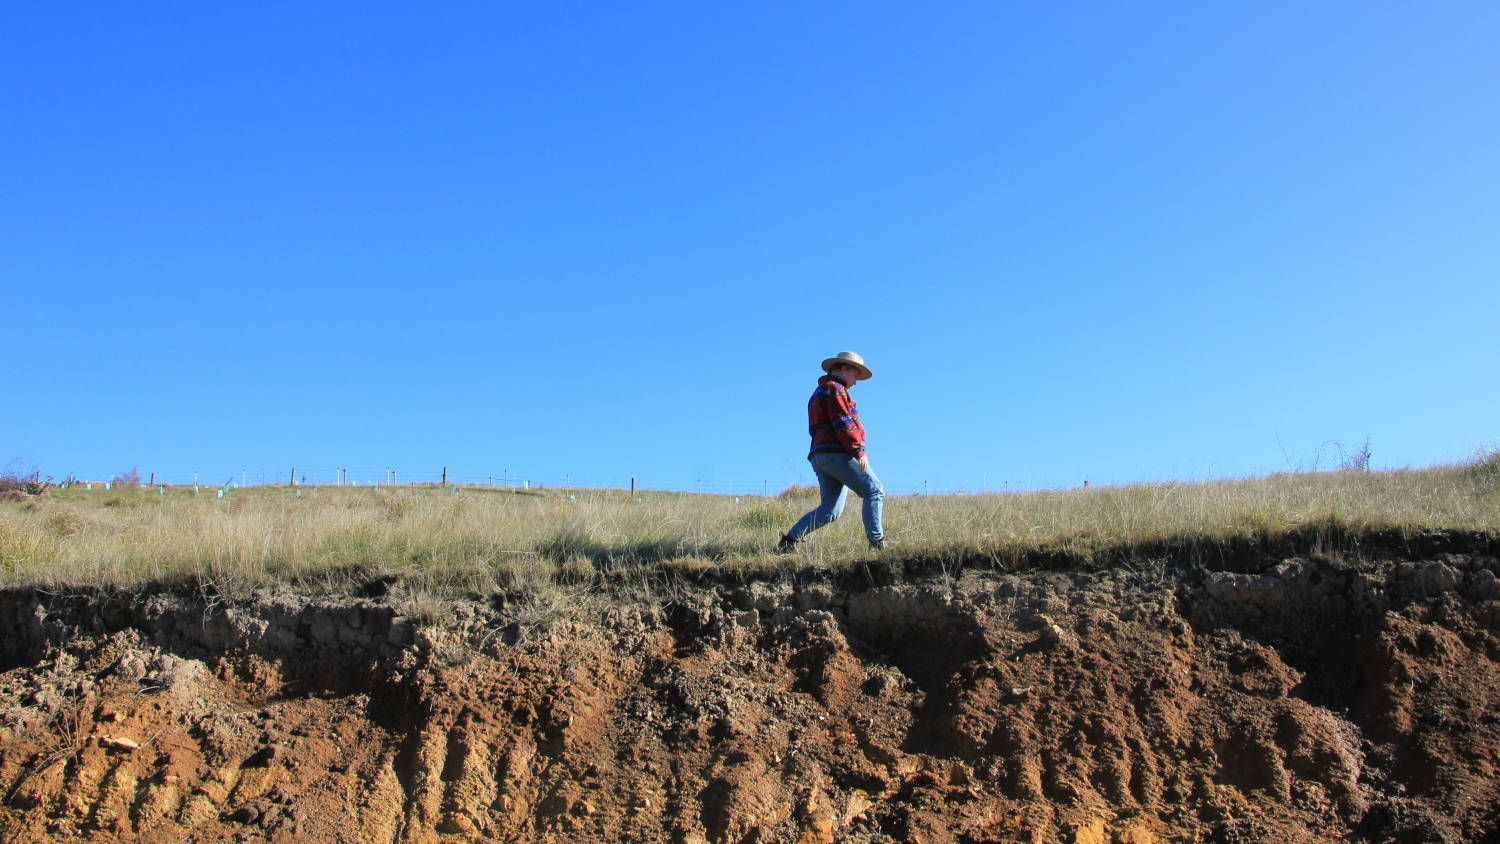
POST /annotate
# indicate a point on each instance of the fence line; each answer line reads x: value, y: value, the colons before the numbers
x: 505, y: 479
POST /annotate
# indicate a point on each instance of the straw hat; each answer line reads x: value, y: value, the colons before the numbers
x: 850, y: 359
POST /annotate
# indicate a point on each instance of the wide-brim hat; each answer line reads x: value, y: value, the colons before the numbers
x: 848, y: 359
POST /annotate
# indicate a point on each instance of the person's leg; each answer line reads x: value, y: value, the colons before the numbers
x: 830, y: 505
x: 864, y: 483
x: 874, y: 509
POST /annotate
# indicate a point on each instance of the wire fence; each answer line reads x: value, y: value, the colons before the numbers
x: 294, y: 476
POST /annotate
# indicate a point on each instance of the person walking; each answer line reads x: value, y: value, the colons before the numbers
x: 838, y: 454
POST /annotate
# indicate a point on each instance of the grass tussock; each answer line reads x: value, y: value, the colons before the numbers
x: 434, y: 542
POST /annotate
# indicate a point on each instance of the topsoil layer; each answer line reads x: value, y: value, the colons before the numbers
x: 1302, y: 699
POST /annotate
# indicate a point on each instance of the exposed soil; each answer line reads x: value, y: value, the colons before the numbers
x: 1302, y: 699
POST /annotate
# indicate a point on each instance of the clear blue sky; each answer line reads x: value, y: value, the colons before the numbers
x: 1115, y: 241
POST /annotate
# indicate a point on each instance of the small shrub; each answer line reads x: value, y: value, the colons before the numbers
x: 131, y: 478
x: 22, y: 481
x: 1357, y: 460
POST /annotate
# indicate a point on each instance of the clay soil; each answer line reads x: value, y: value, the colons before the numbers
x: 1299, y: 698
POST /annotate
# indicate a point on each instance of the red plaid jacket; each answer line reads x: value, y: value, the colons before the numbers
x: 833, y: 421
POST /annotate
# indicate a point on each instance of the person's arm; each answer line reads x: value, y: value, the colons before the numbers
x: 850, y: 433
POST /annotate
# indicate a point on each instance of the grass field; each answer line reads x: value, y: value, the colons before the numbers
x: 479, y: 540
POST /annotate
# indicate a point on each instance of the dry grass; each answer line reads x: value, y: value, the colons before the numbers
x: 433, y: 541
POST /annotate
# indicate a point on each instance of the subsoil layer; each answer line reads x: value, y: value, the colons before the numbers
x: 1301, y: 699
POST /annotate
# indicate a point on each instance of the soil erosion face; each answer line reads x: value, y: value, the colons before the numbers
x: 1312, y: 700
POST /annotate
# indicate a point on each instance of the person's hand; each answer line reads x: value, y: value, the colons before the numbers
x: 864, y: 462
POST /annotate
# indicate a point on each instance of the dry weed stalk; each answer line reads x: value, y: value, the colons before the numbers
x: 481, y: 540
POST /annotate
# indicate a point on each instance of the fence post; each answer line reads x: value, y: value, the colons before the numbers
x: 445, y: 476
x: 153, y: 477
x: 292, y: 478
x: 632, y: 486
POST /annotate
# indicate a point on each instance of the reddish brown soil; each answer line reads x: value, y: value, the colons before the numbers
x: 1314, y: 700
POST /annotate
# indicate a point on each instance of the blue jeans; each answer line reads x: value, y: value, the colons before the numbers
x: 837, y: 474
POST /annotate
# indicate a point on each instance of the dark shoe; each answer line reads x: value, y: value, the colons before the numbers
x: 786, y: 545
x: 877, y: 544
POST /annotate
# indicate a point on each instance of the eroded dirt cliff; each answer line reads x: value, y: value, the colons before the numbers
x: 1303, y: 699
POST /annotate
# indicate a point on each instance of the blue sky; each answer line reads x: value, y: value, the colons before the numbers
x: 1109, y: 241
